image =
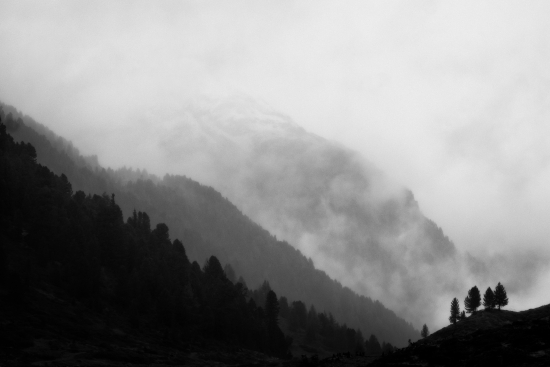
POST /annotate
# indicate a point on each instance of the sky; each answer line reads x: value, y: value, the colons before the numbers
x: 449, y: 98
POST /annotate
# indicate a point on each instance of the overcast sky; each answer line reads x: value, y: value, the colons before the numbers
x: 451, y: 99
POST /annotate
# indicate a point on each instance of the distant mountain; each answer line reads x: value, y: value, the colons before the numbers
x: 487, y: 338
x: 324, y: 199
x: 188, y: 207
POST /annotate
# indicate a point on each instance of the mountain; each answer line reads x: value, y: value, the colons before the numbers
x: 487, y: 338
x: 76, y: 279
x: 324, y: 199
x: 189, y: 208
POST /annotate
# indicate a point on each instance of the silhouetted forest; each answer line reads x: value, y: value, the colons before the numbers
x: 207, y: 224
x: 491, y: 299
x: 81, y: 244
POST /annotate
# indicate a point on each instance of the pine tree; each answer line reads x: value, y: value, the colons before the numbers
x: 455, y: 311
x: 501, y: 299
x: 272, y: 309
x: 213, y: 268
x: 425, y: 332
x: 489, y: 299
x: 473, y: 300
x: 463, y: 315
x: 373, y: 346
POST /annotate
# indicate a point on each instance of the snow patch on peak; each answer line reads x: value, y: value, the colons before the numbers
x: 239, y: 115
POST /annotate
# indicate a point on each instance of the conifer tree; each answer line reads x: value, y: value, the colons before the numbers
x: 213, y: 268
x: 425, y: 332
x: 489, y: 299
x: 501, y: 299
x: 473, y: 300
x: 455, y: 311
x: 272, y: 309
x: 463, y: 315
x: 374, y: 346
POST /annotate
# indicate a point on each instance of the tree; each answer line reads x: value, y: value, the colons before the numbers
x: 312, y: 324
x: 298, y: 315
x: 455, y: 311
x: 373, y: 345
x: 489, y: 299
x: 272, y: 309
x: 284, y: 309
x: 463, y: 315
x: 501, y: 299
x: 213, y: 268
x: 473, y: 300
x: 425, y: 332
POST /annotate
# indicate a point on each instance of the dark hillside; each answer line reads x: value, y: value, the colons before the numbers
x: 190, y: 208
x: 487, y: 338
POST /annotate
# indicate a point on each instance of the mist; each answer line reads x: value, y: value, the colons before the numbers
x: 447, y: 100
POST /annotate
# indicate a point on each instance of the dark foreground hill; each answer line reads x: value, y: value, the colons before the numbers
x: 189, y: 208
x: 487, y: 338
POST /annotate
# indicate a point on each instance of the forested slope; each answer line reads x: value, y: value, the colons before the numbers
x: 207, y: 223
x: 77, y: 250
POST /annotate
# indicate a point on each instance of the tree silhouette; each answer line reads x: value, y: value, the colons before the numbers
x: 373, y: 345
x: 489, y: 299
x: 425, y: 332
x: 463, y: 315
x: 455, y: 311
x: 272, y: 309
x: 213, y: 268
x: 298, y: 315
x: 312, y: 322
x: 473, y: 300
x: 500, y: 298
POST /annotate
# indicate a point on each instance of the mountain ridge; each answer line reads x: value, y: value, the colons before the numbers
x: 370, y: 316
x: 326, y: 200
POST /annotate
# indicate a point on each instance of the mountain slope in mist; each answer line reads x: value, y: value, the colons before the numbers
x: 326, y: 200
x: 188, y: 208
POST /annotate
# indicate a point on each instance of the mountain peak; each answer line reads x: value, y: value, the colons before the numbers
x: 237, y: 114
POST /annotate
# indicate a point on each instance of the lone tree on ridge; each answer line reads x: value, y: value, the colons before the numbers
x: 501, y: 299
x: 425, y: 332
x: 455, y: 311
x: 472, y: 300
x: 489, y: 299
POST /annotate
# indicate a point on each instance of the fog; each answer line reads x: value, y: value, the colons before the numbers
x: 447, y: 99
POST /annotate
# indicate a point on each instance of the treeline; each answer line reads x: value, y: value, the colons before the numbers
x: 322, y: 327
x: 188, y: 207
x: 81, y: 244
x: 491, y: 299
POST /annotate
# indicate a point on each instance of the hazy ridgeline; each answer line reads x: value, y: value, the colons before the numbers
x: 188, y: 207
x: 329, y: 202
x: 321, y: 198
